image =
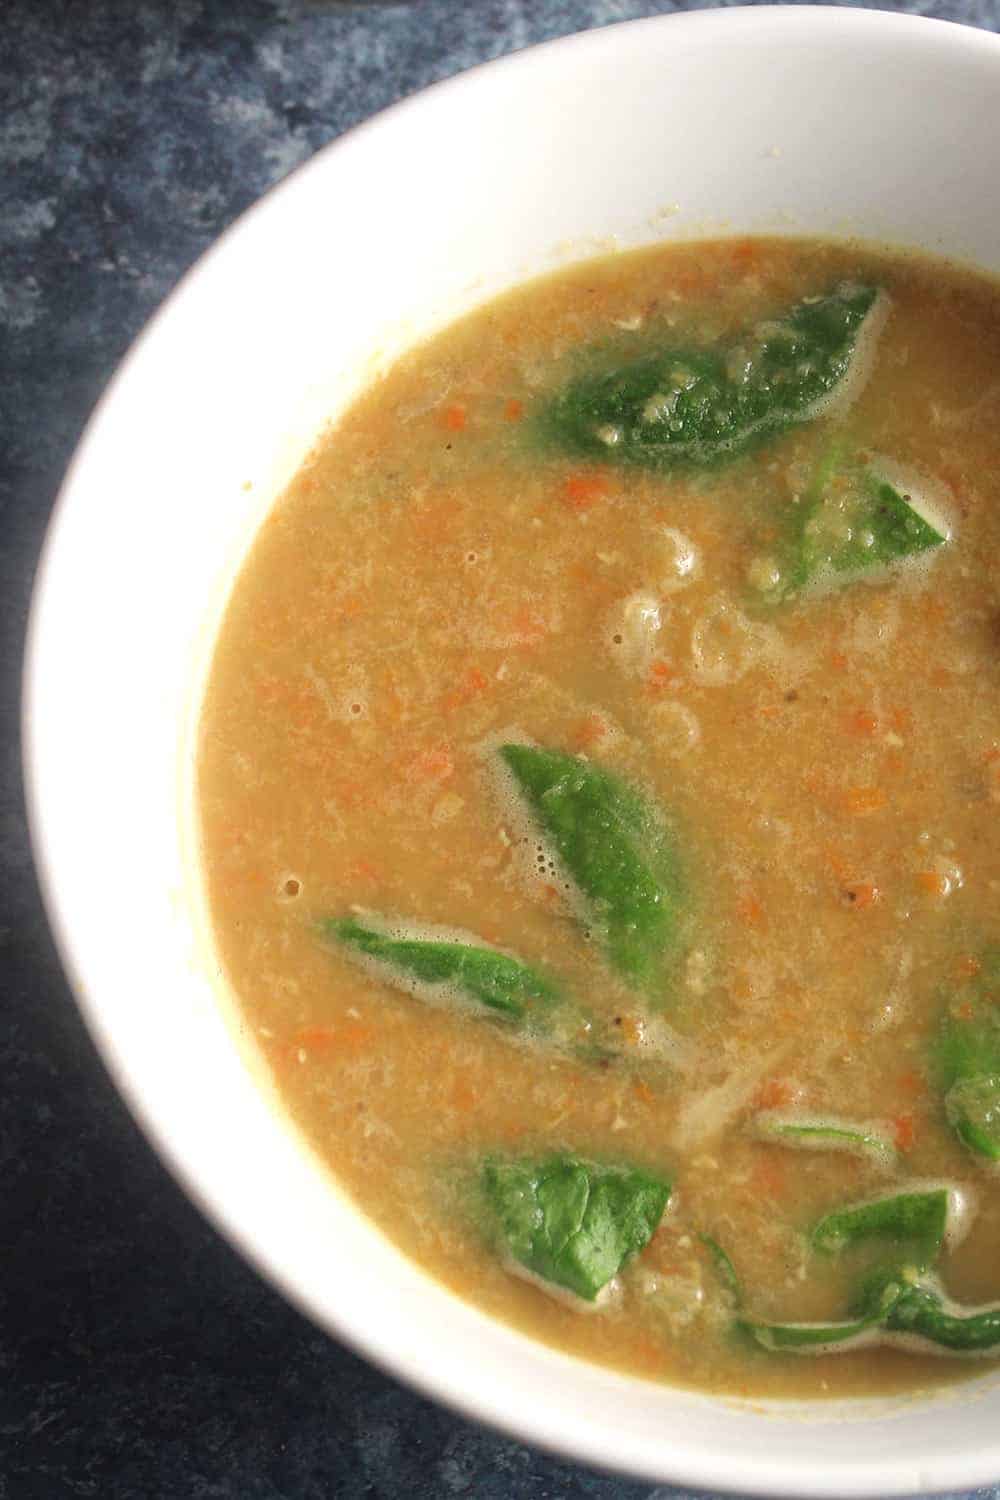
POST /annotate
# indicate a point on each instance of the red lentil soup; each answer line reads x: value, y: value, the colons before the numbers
x: 600, y: 803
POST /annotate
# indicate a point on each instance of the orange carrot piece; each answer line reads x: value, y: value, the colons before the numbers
x: 590, y: 731
x: 347, y: 1038
x: 528, y: 629
x: 968, y: 967
x: 861, y: 801
x: 514, y: 410
x: 432, y: 765
x: 643, y: 1092
x: 863, y: 723
x: 933, y: 883
x: 773, y: 1094
x: 749, y: 910
x: 473, y: 685
x: 454, y: 417
x: 581, y: 491
x: 910, y: 1083
x: 904, y: 1132
x: 314, y: 1039
x: 661, y: 675
x: 838, y: 661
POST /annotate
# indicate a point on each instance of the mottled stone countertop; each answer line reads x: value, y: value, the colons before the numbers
x: 139, y: 1355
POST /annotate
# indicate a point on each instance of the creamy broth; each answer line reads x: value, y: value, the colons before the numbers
x: 439, y: 580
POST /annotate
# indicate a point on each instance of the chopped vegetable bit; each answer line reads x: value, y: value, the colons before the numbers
x: 503, y: 985
x: 700, y: 406
x: 827, y: 1134
x: 967, y: 1058
x: 920, y: 1220
x: 573, y: 1223
x: 615, y: 849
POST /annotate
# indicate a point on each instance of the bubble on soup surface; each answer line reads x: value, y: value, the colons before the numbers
x: 677, y: 559
x: 676, y: 728
x: 632, y: 630
x: 726, y: 644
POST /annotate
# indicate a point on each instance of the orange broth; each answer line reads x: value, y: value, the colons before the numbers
x: 434, y: 579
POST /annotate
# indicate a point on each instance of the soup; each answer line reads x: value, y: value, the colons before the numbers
x: 599, y: 786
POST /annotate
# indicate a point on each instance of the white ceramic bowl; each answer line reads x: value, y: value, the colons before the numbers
x: 786, y: 120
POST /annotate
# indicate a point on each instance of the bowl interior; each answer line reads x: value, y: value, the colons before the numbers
x: 770, y: 120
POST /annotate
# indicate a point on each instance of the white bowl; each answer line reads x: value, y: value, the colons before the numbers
x: 789, y: 120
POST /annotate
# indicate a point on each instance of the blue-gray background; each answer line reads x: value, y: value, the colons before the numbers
x: 138, y: 1355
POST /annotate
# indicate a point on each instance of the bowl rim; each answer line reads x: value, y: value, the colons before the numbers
x: 720, y: 1471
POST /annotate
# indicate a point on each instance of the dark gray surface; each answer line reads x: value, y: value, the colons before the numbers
x: 138, y: 1356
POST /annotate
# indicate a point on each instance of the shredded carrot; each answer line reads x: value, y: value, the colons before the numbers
x: 933, y: 883
x: 862, y: 895
x: 838, y: 661
x: 514, y: 410
x: 773, y: 1094
x: 647, y: 1353
x: 901, y: 720
x: 967, y: 968
x: 860, y: 801
x: 583, y: 490
x: 590, y: 731
x: 744, y: 252
x: 435, y: 764
x: 769, y: 710
x: 454, y: 418
x: 769, y: 1177
x: 528, y: 629
x: 904, y: 1132
x: 964, y: 1012
x: 910, y: 1083
x: 749, y: 910
x: 863, y: 723
x: 661, y: 675
x: 838, y: 865
x: 314, y: 1038
x: 643, y: 1092
x: 351, y: 794
x: 348, y: 1039
x: 473, y: 685
x: 463, y: 1095
x: 363, y: 869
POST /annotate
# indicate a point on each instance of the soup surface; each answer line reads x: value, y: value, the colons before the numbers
x: 736, y: 566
